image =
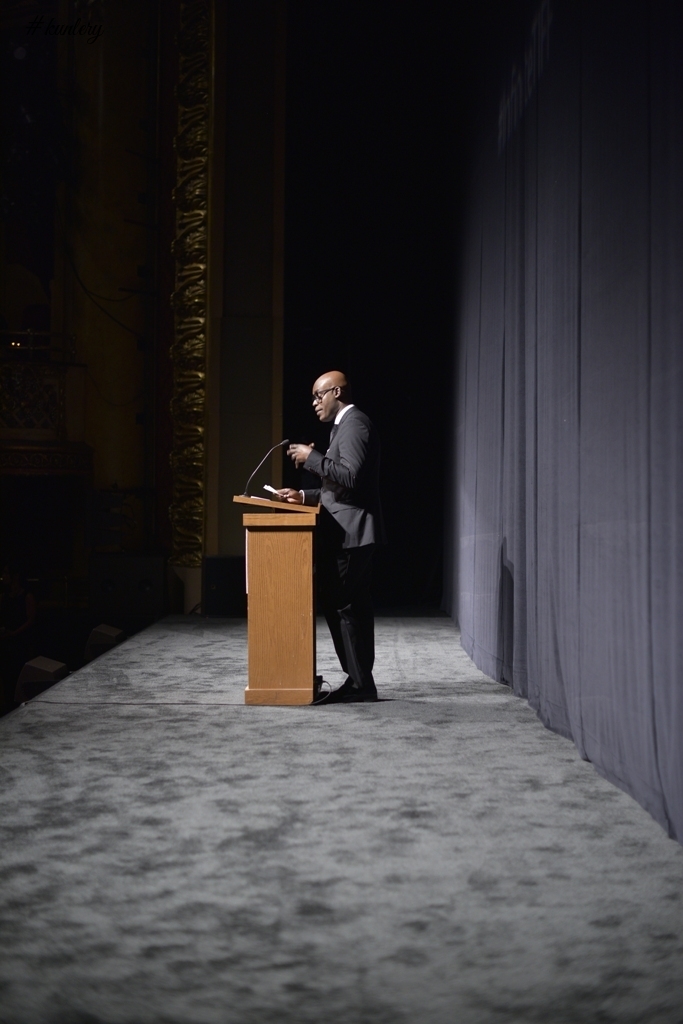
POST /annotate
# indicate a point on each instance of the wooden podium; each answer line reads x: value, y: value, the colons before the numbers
x: 280, y: 607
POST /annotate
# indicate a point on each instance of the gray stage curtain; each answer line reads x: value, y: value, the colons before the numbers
x: 566, y: 573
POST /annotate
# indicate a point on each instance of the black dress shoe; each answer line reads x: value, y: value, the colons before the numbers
x: 348, y: 694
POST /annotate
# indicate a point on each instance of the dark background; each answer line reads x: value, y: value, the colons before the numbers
x: 370, y: 207
x: 380, y: 101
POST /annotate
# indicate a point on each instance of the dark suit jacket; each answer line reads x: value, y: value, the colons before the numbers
x: 350, y: 481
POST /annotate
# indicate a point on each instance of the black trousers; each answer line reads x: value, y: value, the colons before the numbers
x: 343, y: 580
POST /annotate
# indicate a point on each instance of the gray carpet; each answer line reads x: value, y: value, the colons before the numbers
x: 169, y: 855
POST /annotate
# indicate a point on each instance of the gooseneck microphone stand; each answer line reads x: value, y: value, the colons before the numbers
x: 245, y: 492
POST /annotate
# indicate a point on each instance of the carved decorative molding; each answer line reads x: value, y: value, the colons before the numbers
x: 188, y: 350
x: 45, y: 460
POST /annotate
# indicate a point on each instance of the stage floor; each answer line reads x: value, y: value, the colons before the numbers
x: 170, y: 856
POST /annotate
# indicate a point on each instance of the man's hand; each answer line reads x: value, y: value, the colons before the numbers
x: 298, y: 453
x: 291, y: 496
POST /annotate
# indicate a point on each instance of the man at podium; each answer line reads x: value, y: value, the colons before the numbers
x: 351, y: 524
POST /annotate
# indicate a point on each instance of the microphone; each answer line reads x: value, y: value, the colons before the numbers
x: 245, y: 492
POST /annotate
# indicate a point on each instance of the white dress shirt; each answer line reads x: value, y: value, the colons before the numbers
x: 342, y: 412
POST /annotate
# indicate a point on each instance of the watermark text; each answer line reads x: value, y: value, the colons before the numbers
x: 69, y: 28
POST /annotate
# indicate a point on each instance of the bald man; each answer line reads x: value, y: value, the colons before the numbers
x: 350, y: 526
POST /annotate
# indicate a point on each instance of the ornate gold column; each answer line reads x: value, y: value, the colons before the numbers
x: 228, y: 256
x: 190, y: 251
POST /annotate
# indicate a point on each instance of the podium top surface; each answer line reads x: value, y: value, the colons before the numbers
x: 275, y: 506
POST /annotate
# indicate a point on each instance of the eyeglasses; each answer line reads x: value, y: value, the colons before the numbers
x: 319, y: 395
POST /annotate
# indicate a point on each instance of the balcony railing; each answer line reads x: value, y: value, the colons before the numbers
x: 37, y: 346
x: 37, y: 375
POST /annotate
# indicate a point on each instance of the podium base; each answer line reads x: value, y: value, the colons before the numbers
x: 279, y: 697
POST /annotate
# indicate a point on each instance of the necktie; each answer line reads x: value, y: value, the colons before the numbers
x: 334, y: 430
